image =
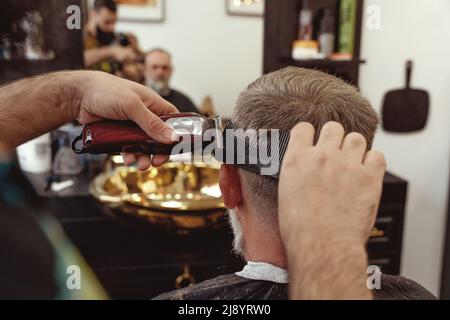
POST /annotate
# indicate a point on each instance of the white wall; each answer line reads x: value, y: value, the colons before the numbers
x: 420, y: 30
x: 214, y: 53
x: 219, y: 55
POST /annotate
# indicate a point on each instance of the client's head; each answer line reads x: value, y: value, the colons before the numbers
x: 280, y: 100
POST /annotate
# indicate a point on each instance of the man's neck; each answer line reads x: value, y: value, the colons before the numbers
x: 262, y: 254
x: 264, y: 244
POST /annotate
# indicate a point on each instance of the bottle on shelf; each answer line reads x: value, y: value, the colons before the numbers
x: 305, y: 47
x: 327, y: 34
x: 306, y: 27
x: 347, y: 28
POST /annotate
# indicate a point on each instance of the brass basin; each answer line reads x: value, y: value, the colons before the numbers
x: 176, y: 195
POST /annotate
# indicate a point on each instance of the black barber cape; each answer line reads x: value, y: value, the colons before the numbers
x: 234, y: 287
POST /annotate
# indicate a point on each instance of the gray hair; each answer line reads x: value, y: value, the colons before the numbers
x: 238, y: 240
x: 160, y: 50
x: 280, y: 100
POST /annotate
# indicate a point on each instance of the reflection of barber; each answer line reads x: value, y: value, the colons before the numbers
x: 158, y: 71
x: 102, y: 51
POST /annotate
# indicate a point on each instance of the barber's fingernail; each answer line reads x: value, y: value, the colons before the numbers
x: 171, y: 135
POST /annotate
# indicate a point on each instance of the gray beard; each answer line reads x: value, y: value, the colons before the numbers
x: 161, y: 87
x: 238, y: 242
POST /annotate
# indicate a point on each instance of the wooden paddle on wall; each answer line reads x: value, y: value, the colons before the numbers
x: 406, y: 110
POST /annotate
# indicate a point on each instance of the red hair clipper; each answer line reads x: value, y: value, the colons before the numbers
x: 110, y: 137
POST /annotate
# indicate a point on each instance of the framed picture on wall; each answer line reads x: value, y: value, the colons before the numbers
x: 248, y: 8
x: 141, y: 10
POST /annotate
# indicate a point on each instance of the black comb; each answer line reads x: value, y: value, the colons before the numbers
x: 258, y: 153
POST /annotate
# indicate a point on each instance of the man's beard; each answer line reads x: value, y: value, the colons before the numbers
x: 104, y: 38
x: 238, y: 242
x: 160, y: 86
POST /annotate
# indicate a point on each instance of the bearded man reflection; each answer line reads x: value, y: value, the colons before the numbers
x: 106, y: 51
x: 158, y: 72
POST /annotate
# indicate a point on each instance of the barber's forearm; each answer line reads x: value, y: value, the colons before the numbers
x: 93, y: 56
x: 34, y: 106
x: 324, y: 269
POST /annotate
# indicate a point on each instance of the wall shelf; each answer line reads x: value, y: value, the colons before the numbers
x: 281, y: 29
x: 322, y: 63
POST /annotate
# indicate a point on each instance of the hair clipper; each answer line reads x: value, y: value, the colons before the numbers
x: 110, y: 137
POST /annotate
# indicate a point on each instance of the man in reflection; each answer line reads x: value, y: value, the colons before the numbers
x: 280, y: 100
x: 107, y: 51
x: 158, y: 71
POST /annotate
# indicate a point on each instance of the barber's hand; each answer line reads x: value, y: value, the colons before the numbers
x: 103, y: 96
x: 123, y: 54
x: 330, y: 191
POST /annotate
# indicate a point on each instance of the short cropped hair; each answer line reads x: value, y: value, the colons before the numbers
x: 280, y: 100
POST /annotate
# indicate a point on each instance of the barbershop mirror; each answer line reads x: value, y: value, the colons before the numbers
x: 207, y: 54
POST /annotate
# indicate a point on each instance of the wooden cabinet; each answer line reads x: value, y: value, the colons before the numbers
x: 385, y: 245
x: 445, y: 281
x: 140, y: 262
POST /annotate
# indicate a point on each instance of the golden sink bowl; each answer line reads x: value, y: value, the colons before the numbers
x: 176, y: 195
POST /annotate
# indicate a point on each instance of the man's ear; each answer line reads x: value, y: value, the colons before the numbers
x: 230, y: 185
